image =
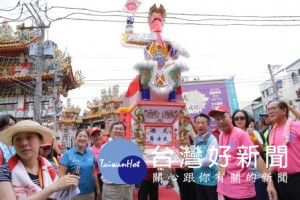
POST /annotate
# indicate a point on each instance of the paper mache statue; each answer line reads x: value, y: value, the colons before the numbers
x: 159, y: 76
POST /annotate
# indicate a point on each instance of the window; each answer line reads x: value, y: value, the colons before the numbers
x: 266, y: 93
x: 295, y: 77
x: 279, y: 84
x: 270, y: 91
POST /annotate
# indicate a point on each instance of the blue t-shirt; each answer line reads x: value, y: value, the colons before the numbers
x: 86, y: 162
x: 7, y: 151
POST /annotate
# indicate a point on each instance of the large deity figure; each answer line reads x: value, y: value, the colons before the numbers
x: 159, y: 76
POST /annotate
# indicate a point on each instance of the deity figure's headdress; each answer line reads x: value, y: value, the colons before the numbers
x: 161, y: 10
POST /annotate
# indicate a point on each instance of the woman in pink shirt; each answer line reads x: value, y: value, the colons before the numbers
x: 96, y: 138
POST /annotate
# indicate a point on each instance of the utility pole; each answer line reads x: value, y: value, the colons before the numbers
x: 273, y: 81
x: 55, y: 97
x: 39, y: 66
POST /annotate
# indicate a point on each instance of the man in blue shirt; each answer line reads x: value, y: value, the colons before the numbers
x: 206, y: 175
x: 112, y: 191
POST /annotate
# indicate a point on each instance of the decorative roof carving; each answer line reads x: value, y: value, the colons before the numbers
x: 70, y: 115
x: 8, y: 36
x: 79, y: 78
x: 107, y: 106
x: 18, y: 41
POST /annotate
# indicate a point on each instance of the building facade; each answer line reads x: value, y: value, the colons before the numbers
x: 18, y: 75
x: 105, y: 110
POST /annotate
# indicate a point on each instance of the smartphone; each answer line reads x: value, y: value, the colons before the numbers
x: 76, y: 171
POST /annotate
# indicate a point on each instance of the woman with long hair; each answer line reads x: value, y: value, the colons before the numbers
x: 242, y: 120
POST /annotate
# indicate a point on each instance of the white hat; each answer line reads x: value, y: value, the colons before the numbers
x: 26, y: 126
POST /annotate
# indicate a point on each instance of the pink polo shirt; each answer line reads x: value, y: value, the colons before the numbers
x: 242, y: 188
x: 293, y: 148
x: 96, y: 152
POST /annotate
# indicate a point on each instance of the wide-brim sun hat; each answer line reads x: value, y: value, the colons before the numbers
x: 26, y: 126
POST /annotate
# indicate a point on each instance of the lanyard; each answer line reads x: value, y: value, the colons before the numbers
x: 41, y: 177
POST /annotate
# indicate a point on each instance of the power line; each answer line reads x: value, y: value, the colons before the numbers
x: 182, y: 23
x: 176, y: 14
x: 14, y: 19
x: 238, y: 18
x: 4, y: 9
x: 241, y: 16
x: 256, y: 21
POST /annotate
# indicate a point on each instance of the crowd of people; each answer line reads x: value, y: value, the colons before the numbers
x: 268, y: 148
x: 33, y: 165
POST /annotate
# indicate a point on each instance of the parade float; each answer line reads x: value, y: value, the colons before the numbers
x: 153, y: 109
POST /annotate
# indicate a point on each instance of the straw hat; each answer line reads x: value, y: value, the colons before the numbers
x: 26, y: 126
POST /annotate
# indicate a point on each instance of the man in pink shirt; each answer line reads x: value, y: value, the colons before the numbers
x: 229, y: 186
x: 285, y: 135
x: 96, y: 138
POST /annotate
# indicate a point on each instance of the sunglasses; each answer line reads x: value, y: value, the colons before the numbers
x: 239, y: 118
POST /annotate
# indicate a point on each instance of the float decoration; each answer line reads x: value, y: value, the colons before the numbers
x: 154, y: 111
x: 159, y: 76
x: 131, y: 6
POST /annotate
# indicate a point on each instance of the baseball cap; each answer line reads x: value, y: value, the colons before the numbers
x: 219, y: 108
x: 263, y: 116
x: 93, y: 130
x: 47, y: 144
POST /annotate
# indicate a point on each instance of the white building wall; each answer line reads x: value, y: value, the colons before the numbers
x: 294, y: 85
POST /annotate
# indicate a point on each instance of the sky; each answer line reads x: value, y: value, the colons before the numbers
x: 242, y: 52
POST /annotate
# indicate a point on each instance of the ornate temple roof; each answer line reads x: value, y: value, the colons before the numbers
x: 16, y: 46
x: 107, y: 106
x: 70, y: 115
x: 69, y: 80
x: 15, y: 62
x: 14, y: 43
x: 92, y: 115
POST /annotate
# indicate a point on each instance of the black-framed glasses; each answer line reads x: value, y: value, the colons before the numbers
x: 239, y: 118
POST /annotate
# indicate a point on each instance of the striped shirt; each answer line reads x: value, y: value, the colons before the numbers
x: 5, y: 175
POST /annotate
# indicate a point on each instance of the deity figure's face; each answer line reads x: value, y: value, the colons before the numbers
x: 156, y: 22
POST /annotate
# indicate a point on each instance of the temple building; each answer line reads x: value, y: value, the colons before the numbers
x: 105, y: 110
x: 69, y: 123
x: 18, y: 73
